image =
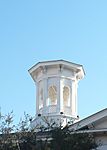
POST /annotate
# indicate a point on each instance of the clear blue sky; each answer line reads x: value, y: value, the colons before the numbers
x: 37, y: 30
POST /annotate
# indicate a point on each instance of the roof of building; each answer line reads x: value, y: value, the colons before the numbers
x: 70, y: 65
x: 90, y: 121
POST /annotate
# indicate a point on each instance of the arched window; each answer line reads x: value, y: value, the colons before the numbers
x: 66, y: 96
x: 52, y: 93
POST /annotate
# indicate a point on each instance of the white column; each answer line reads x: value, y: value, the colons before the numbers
x: 61, y: 96
x: 45, y: 89
x: 58, y: 95
x: 76, y: 88
x: 73, y: 104
x: 45, y: 93
x: 37, y: 98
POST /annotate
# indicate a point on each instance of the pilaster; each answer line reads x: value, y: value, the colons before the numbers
x: 61, y: 95
x: 73, y: 100
x: 37, y: 98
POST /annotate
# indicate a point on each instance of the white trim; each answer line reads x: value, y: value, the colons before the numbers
x: 56, y: 62
x: 91, y: 131
x: 70, y: 65
x: 93, y: 118
x: 57, y: 76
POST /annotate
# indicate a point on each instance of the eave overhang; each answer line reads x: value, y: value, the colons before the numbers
x: 77, y: 67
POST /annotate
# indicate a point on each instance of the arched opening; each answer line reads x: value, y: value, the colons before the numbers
x: 66, y: 96
x: 52, y: 95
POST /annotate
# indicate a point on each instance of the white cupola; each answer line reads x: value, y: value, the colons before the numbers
x: 56, y: 89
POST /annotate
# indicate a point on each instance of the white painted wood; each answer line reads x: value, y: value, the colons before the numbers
x: 59, y: 74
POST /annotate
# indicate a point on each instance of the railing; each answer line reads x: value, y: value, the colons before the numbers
x: 53, y: 109
x: 48, y: 109
x: 67, y: 111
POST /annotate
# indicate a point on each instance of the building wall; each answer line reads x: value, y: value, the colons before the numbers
x: 102, y: 141
x: 102, y: 124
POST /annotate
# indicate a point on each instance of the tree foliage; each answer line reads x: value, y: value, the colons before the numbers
x: 23, y: 137
x: 16, y: 137
x: 6, y: 129
x: 64, y: 139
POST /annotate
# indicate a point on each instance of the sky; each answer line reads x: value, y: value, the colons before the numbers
x: 39, y: 30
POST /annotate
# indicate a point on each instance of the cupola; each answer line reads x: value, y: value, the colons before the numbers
x: 56, y: 89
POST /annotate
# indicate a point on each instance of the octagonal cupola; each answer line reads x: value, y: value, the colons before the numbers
x: 56, y: 88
